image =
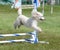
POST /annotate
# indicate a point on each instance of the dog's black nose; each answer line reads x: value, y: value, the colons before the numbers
x: 42, y: 19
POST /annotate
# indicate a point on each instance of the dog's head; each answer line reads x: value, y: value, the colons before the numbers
x: 37, y: 15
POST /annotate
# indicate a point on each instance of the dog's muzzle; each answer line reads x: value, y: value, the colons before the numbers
x: 42, y: 18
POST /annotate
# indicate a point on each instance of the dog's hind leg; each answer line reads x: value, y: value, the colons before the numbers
x: 17, y: 23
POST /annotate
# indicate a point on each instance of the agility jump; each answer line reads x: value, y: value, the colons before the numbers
x: 33, y: 39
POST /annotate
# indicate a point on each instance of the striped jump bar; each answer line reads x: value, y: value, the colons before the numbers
x: 20, y: 40
x: 24, y: 40
x: 18, y: 34
x: 12, y: 41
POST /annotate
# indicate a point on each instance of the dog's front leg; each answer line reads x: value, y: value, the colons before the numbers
x: 37, y: 29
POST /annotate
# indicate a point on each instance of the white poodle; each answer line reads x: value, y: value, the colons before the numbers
x: 29, y: 22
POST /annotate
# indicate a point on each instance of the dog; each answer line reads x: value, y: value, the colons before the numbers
x: 31, y: 22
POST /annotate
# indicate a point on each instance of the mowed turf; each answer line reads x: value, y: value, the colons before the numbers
x: 50, y: 27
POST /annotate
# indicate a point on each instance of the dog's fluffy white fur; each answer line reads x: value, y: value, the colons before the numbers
x: 29, y: 22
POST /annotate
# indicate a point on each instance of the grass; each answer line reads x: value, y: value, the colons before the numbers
x: 50, y: 27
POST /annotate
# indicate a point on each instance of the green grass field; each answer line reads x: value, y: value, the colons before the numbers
x: 50, y: 27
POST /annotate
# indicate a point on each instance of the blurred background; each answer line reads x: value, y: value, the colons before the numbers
x: 28, y: 1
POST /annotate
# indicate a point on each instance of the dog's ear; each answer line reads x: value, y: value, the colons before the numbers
x: 34, y: 12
